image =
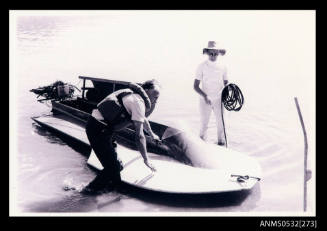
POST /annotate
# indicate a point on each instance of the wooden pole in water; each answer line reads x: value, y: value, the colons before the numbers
x: 305, y: 155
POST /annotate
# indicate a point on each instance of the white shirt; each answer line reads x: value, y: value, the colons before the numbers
x: 135, y: 106
x: 212, y: 76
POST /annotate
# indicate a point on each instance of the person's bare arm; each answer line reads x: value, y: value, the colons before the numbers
x: 148, y: 129
x: 225, y: 77
x: 197, y: 88
x: 141, y: 143
x: 148, y: 112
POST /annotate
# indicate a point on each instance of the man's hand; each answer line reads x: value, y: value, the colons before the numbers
x: 155, y: 138
x: 207, y: 99
x: 149, y: 165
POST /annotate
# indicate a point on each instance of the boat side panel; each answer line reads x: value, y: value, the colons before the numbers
x: 65, y: 109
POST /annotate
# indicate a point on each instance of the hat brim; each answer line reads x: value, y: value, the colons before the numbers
x: 214, y: 49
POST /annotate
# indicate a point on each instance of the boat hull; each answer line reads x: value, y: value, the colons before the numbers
x: 172, y: 175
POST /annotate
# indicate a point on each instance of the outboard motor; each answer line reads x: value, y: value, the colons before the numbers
x: 56, y: 91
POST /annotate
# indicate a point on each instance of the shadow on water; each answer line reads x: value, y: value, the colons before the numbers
x: 51, y: 138
x: 77, y: 202
x: 207, y: 200
x: 55, y: 137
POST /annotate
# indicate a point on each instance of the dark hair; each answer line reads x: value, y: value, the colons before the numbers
x: 150, y: 84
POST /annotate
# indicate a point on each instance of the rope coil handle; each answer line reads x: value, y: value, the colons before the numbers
x: 232, y: 99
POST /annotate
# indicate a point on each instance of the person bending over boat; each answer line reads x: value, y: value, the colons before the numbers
x: 119, y: 110
x: 213, y: 78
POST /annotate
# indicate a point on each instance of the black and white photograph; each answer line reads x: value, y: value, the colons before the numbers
x: 162, y: 113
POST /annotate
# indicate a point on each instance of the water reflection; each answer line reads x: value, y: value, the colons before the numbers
x: 209, y: 200
x: 37, y: 27
x: 38, y: 34
x: 115, y: 201
x: 55, y: 137
x: 50, y: 137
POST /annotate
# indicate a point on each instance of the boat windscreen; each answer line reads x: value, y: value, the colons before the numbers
x: 174, y: 128
x: 169, y: 132
x: 186, y: 146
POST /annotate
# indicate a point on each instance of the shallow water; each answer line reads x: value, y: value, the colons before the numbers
x: 139, y: 46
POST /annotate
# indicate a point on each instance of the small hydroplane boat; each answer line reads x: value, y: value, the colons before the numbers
x: 185, y: 164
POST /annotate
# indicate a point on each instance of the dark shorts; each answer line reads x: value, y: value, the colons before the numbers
x: 104, y: 146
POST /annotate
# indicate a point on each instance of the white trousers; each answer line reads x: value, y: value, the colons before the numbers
x: 205, y: 113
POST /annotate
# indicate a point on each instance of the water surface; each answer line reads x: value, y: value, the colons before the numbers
x: 267, y: 60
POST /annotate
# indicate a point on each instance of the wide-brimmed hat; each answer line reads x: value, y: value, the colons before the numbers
x: 213, y: 46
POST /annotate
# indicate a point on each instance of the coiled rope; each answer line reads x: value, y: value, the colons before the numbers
x: 232, y: 99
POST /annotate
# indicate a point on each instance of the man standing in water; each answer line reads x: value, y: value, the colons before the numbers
x: 213, y: 78
x: 120, y: 110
